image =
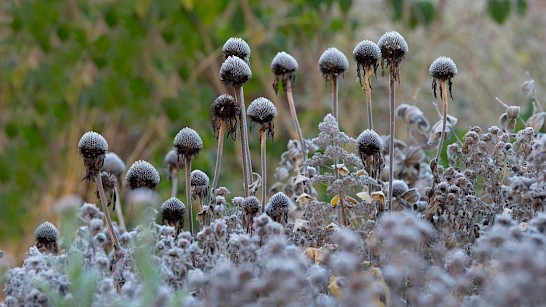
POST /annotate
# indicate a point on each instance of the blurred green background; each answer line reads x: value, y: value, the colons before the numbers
x: 137, y: 71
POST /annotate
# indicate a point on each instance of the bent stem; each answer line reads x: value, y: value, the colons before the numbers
x: 368, y: 89
x: 391, y: 133
x: 263, y: 138
x: 111, y: 232
x: 247, y: 168
x: 219, y: 151
x: 292, y: 106
x: 444, y: 120
x: 119, y: 211
x: 188, y: 193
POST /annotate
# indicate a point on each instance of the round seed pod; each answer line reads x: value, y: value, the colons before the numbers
x: 393, y: 47
x: 366, y: 54
x: 199, y: 183
x: 113, y: 165
x: 284, y: 67
x: 332, y: 63
x: 46, y: 238
x: 172, y: 212
x: 443, y: 68
x: 142, y: 174
x: 277, y: 207
x: 92, y: 147
x: 399, y: 187
x: 251, y: 205
x: 262, y: 111
x: 234, y: 72
x: 187, y: 143
x: 172, y: 161
x: 236, y: 46
x: 369, y: 143
x: 225, y: 111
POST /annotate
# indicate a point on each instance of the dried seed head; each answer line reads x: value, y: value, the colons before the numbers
x: 251, y: 205
x: 187, y: 143
x: 142, y: 174
x: 277, y: 207
x: 225, y: 111
x: 235, y: 72
x: 172, y: 212
x: 172, y: 161
x: 113, y: 165
x: 369, y: 143
x: 393, y: 48
x: 284, y: 67
x: 332, y: 63
x: 46, y: 238
x: 236, y: 46
x: 366, y: 54
x: 199, y: 183
x: 399, y: 187
x: 109, y: 181
x: 92, y: 147
x: 443, y: 69
x: 262, y: 111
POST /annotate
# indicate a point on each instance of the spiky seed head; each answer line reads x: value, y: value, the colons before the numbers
x: 369, y: 143
x: 277, y: 207
x: 332, y: 63
x: 443, y: 69
x: 172, y: 161
x: 284, y: 67
x: 187, y: 143
x: 172, y: 212
x: 142, y: 174
x: 92, y: 147
x: 109, y: 181
x: 113, y: 165
x: 199, y: 184
x: 393, y: 48
x: 46, y: 232
x: 251, y: 205
x: 236, y: 46
x: 234, y: 72
x: 262, y: 111
x: 399, y: 187
x: 225, y: 111
x: 367, y: 55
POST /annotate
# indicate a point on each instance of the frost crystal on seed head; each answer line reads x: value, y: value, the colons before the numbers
x: 172, y: 211
x: 399, y: 187
x: 188, y: 143
x: 92, y: 143
x: 367, y: 55
x: 262, y: 111
x: 142, y: 174
x: 277, y: 208
x: 46, y: 232
x: 236, y: 46
x: 443, y: 68
x: 332, y: 63
x: 234, y: 72
x: 251, y: 205
x: 199, y: 183
x: 369, y: 143
x: 284, y: 67
x: 393, y: 46
x: 225, y: 111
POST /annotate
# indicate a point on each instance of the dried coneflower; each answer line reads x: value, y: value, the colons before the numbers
x: 115, y: 166
x: 188, y: 144
x: 142, y: 174
x: 277, y: 207
x: 236, y: 46
x: 199, y: 182
x: 442, y: 69
x: 333, y: 63
x: 393, y: 50
x: 46, y: 238
x: 367, y: 56
x: 251, y: 206
x: 234, y: 73
x: 225, y: 116
x: 370, y: 145
x: 262, y: 112
x: 172, y: 213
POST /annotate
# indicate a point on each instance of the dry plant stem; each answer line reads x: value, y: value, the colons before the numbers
x: 247, y: 169
x: 296, y: 124
x: 174, y: 182
x: 188, y: 193
x: 391, y: 134
x: 219, y: 151
x: 263, y: 138
x: 444, y: 121
x: 367, y: 77
x: 119, y: 211
x: 111, y: 232
x: 341, y: 204
x: 334, y: 98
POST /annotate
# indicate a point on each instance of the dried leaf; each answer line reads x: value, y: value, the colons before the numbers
x: 527, y: 87
x: 365, y: 196
x: 536, y: 121
x: 334, y: 201
x: 411, y: 196
x: 378, y: 195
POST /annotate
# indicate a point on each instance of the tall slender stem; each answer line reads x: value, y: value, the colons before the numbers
x: 119, y: 211
x: 174, y: 182
x: 111, y: 232
x: 443, y: 91
x: 391, y: 134
x: 334, y: 98
x: 219, y: 151
x: 188, y: 193
x: 367, y: 77
x: 263, y: 138
x: 247, y: 168
x: 292, y: 106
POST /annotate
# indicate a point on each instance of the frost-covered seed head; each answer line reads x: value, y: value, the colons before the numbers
x: 142, y: 174
x: 251, y: 205
x: 277, y: 207
x: 234, y: 72
x: 172, y: 161
x: 92, y: 147
x: 284, y: 67
x: 399, y: 187
x: 332, y: 63
x: 262, y: 111
x: 109, y: 181
x: 225, y: 111
x: 443, y: 68
x: 236, y: 46
x: 199, y: 183
x: 393, y: 46
x: 46, y: 238
x: 366, y: 54
x: 172, y: 212
x: 113, y: 164
x: 187, y: 143
x: 369, y: 143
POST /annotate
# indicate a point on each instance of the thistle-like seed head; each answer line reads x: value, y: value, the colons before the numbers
x: 369, y: 143
x: 187, y: 143
x: 399, y: 187
x: 92, y: 147
x: 113, y: 165
x: 393, y: 48
x: 367, y: 55
x: 234, y: 72
x: 46, y: 238
x: 284, y: 67
x: 225, y: 111
x: 251, y: 205
x: 199, y: 183
x: 277, y: 207
x: 172, y: 161
x: 172, y: 212
x: 443, y: 69
x: 236, y: 46
x: 333, y: 63
x: 109, y: 181
x: 262, y: 111
x: 142, y: 174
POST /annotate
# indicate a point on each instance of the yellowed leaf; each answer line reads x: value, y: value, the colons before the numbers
x: 334, y: 201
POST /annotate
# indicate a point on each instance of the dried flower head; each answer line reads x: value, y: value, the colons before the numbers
x: 366, y: 54
x: 370, y: 146
x: 277, y: 207
x: 284, y: 67
x: 235, y: 72
x: 333, y: 63
x: 92, y: 147
x: 46, y: 238
x: 187, y: 143
x: 262, y: 111
x: 172, y: 213
x: 172, y: 161
x: 199, y: 182
x: 236, y: 46
x: 142, y: 174
x: 393, y: 50
x: 251, y: 205
x: 443, y: 69
x: 399, y: 187
x: 114, y: 165
x: 225, y: 111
